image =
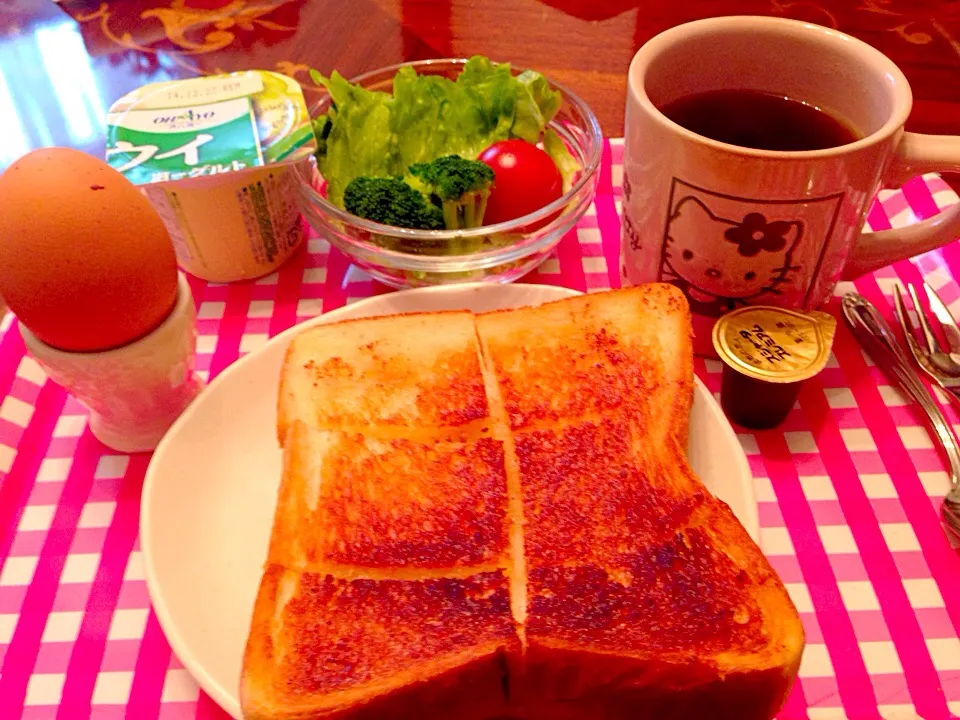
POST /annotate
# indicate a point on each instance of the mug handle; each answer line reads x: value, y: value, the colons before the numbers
x: 917, y: 154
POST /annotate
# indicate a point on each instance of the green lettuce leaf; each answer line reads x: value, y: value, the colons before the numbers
x: 488, y: 103
x: 557, y: 149
x: 427, y: 116
x: 424, y: 121
x: 359, y: 141
x: 536, y: 105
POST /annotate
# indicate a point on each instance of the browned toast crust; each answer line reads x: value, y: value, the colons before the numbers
x: 424, y: 373
x: 353, y: 499
x: 589, y: 494
x: 579, y: 358
x: 642, y: 589
x: 358, y: 649
x: 587, y: 685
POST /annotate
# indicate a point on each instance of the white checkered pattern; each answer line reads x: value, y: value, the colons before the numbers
x: 847, y: 492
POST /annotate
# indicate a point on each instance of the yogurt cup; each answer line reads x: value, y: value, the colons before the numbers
x: 218, y: 158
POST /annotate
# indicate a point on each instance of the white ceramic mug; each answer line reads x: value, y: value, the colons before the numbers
x: 735, y: 226
x: 134, y: 392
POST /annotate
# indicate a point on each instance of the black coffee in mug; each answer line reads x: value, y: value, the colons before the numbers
x: 760, y: 120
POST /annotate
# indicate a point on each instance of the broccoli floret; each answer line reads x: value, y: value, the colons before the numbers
x: 391, y: 201
x: 459, y: 186
x: 449, y: 192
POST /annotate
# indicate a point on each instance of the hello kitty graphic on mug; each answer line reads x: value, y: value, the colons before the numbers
x: 721, y: 263
x: 726, y: 251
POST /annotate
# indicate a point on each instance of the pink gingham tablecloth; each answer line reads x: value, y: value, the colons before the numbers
x: 848, y: 489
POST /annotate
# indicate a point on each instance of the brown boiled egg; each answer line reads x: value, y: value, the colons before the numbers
x: 85, y: 261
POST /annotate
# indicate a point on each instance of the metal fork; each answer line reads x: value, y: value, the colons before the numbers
x: 942, y: 366
x: 878, y: 339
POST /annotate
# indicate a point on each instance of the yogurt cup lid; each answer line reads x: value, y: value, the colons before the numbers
x: 775, y: 344
x: 184, y: 129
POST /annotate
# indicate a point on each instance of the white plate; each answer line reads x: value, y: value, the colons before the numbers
x: 210, y: 490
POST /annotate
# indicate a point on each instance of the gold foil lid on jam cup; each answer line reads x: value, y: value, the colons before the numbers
x: 767, y: 352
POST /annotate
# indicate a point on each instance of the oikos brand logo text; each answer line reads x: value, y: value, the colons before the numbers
x: 185, y: 120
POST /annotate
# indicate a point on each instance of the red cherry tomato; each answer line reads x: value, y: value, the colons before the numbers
x: 525, y: 180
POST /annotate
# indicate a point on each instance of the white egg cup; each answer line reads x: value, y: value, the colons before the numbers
x: 133, y: 392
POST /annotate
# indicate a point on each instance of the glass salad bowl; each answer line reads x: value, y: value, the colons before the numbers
x: 499, y: 253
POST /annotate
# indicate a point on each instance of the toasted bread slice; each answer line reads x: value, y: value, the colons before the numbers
x: 492, y: 516
x: 685, y: 628
x: 322, y: 647
x: 585, y: 357
x: 645, y: 598
x: 406, y: 371
x: 351, y: 503
x: 386, y: 592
